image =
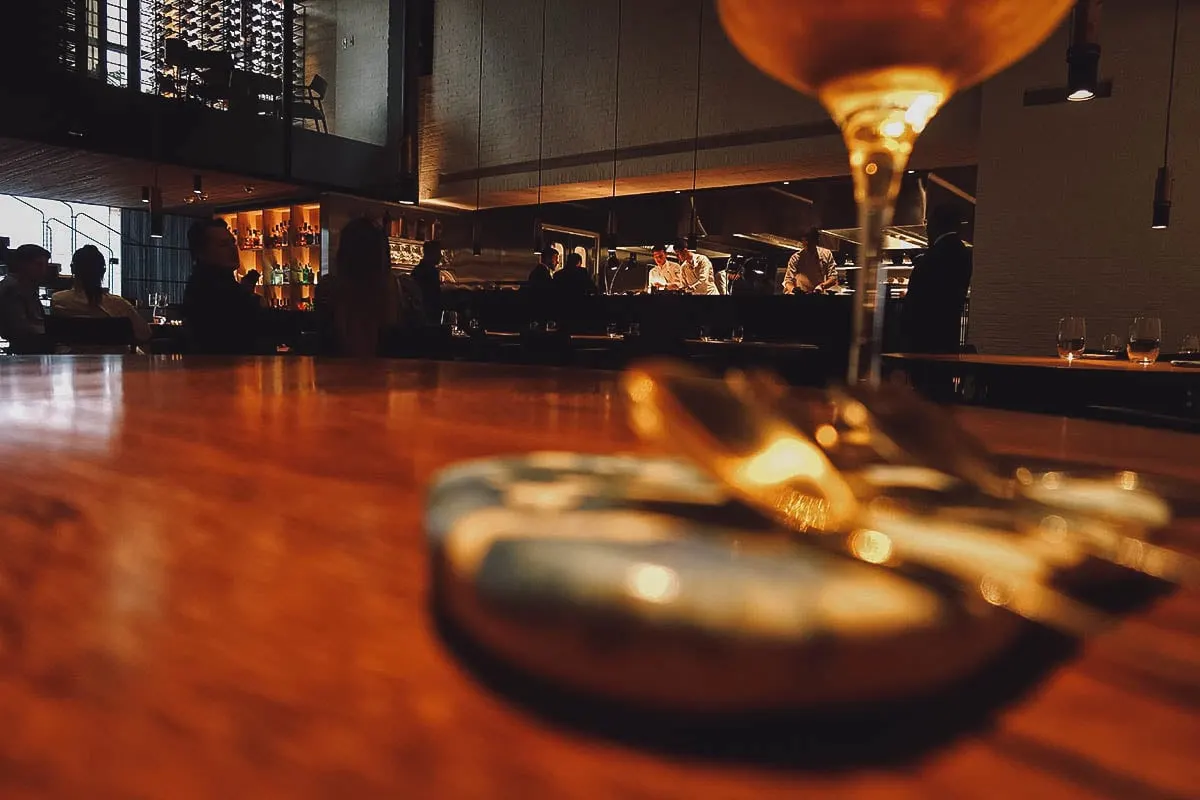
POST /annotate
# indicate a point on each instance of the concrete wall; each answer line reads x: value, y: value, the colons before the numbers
x: 752, y: 127
x: 1065, y: 191
x: 362, y: 70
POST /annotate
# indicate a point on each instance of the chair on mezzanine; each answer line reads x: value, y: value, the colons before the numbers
x: 309, y: 105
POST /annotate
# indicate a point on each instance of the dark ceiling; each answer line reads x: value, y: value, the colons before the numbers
x: 77, y: 176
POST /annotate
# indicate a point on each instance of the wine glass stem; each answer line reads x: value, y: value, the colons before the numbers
x: 877, y: 163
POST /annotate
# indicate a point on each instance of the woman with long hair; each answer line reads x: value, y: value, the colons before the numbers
x: 362, y: 299
x: 88, y: 297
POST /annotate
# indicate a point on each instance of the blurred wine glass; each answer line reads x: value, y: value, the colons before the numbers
x: 882, y: 70
x: 1190, y: 344
x: 450, y: 320
x: 1072, y: 337
x: 1145, y: 339
x: 1111, y: 343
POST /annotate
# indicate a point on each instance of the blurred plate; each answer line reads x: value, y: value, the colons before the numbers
x: 638, y: 580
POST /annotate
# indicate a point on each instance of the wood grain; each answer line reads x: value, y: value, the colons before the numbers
x: 213, y: 584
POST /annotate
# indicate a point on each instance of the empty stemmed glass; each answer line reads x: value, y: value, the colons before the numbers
x: 1145, y: 339
x: 883, y: 70
x: 156, y: 300
x: 1072, y: 337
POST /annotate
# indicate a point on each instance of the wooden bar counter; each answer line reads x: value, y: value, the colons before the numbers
x: 213, y: 584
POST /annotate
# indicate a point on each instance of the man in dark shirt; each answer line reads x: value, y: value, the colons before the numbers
x: 220, y: 314
x: 541, y: 275
x: 573, y: 280
x: 22, y: 318
x: 938, y: 287
x: 428, y: 277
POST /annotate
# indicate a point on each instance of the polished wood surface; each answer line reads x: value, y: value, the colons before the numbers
x: 1048, y: 362
x: 214, y: 585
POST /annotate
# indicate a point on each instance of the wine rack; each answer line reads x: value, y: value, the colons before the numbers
x: 251, y: 32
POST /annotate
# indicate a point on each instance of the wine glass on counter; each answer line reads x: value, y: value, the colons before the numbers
x: 1072, y: 337
x: 1145, y: 340
x: 882, y: 70
x: 1190, y: 345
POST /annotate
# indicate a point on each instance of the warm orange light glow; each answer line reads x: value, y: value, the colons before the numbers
x: 653, y: 583
x: 871, y: 546
x: 783, y: 459
x: 827, y: 436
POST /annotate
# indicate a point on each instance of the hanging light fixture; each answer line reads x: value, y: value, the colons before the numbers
x: 145, y: 194
x: 197, y: 185
x: 612, y: 208
x: 539, y: 243
x: 1083, y: 53
x: 1161, y: 217
x: 156, y: 212
x: 692, y: 238
x: 476, y: 223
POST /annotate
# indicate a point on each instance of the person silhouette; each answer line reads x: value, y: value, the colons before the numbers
x: 22, y: 318
x: 87, y: 297
x: 220, y: 314
x: 937, y: 288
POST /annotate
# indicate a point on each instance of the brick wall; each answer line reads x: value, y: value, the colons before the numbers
x: 1065, y: 191
x: 658, y: 96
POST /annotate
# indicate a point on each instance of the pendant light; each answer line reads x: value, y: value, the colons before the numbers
x: 1083, y: 53
x: 612, y: 266
x: 1161, y: 217
x: 476, y: 225
x: 156, y: 212
x: 539, y: 243
x: 612, y: 208
x: 692, y: 239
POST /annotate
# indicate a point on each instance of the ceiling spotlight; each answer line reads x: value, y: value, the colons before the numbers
x: 787, y: 183
x: 197, y: 186
x: 145, y: 194
x: 248, y: 189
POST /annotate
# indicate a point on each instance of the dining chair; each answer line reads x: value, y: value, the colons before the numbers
x: 310, y: 105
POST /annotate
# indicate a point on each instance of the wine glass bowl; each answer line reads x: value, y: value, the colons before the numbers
x: 1072, y: 337
x: 813, y: 45
x: 1145, y: 340
x: 883, y: 68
